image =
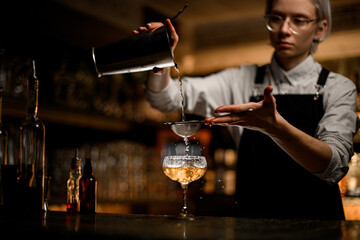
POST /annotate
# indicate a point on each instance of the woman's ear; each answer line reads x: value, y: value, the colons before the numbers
x: 321, y: 30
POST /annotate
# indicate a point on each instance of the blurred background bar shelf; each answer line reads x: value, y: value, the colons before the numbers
x: 110, y: 118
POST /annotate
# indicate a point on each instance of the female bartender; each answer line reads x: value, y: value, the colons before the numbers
x: 295, y: 134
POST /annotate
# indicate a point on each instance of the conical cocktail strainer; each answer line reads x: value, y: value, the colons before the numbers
x: 185, y: 129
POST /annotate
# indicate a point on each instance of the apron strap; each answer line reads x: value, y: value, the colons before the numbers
x: 323, y: 76
x: 260, y: 74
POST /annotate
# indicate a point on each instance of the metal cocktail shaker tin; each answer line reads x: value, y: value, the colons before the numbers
x: 139, y: 52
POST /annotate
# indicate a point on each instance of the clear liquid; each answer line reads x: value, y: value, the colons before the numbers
x: 184, y: 175
x: 181, y: 94
x: 187, y: 147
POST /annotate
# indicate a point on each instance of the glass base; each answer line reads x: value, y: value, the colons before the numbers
x: 182, y: 216
x: 186, y: 216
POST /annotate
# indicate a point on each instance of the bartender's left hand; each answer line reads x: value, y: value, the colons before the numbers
x: 311, y: 153
x: 261, y: 116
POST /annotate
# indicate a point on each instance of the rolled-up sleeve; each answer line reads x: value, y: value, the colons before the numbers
x: 201, y: 94
x: 166, y: 100
x: 338, y: 126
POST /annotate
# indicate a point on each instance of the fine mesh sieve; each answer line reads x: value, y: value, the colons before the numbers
x: 185, y: 129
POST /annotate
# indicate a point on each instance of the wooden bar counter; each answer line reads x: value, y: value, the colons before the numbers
x: 60, y: 225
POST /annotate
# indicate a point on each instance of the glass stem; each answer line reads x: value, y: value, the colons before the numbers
x: 184, y: 209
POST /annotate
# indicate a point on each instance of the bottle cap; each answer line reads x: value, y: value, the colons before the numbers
x: 76, y: 161
x: 88, y: 167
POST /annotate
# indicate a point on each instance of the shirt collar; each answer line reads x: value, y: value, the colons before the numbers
x: 294, y: 75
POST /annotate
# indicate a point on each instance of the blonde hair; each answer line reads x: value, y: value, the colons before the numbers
x: 323, y: 12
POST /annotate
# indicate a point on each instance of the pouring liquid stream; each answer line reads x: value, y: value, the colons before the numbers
x: 181, y: 94
x: 182, y: 99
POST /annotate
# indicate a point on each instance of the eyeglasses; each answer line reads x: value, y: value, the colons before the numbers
x: 296, y: 24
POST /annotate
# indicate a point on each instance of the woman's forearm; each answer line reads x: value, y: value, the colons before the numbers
x: 311, y: 153
x: 157, y: 81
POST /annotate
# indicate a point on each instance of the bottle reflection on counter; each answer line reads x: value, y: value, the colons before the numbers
x: 72, y: 207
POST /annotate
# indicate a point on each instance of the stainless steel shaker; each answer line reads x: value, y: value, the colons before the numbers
x: 139, y: 52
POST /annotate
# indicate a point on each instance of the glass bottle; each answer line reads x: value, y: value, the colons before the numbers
x: 72, y: 202
x: 3, y: 153
x: 88, y: 185
x: 32, y: 148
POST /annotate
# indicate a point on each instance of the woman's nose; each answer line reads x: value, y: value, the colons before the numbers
x: 285, y: 27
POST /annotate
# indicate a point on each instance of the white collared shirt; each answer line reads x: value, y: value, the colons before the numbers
x: 236, y: 85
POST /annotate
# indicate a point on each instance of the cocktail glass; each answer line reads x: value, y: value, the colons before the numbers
x: 184, y: 169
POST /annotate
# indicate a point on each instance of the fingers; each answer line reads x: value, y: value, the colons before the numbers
x: 174, y: 38
x: 254, y: 115
x: 226, y: 120
x: 158, y: 70
x: 208, y: 121
x: 172, y: 32
x: 237, y: 114
x: 148, y: 27
x: 237, y: 108
x: 269, y: 98
x: 268, y: 93
x: 153, y: 25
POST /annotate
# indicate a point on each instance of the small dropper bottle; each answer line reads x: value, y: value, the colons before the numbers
x: 88, y: 185
x: 72, y: 203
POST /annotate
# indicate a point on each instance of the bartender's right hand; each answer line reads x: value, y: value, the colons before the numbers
x: 174, y: 38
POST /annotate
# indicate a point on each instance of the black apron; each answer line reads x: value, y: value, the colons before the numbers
x: 270, y: 184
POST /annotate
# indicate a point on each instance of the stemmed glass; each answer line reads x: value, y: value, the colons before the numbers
x: 184, y: 169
